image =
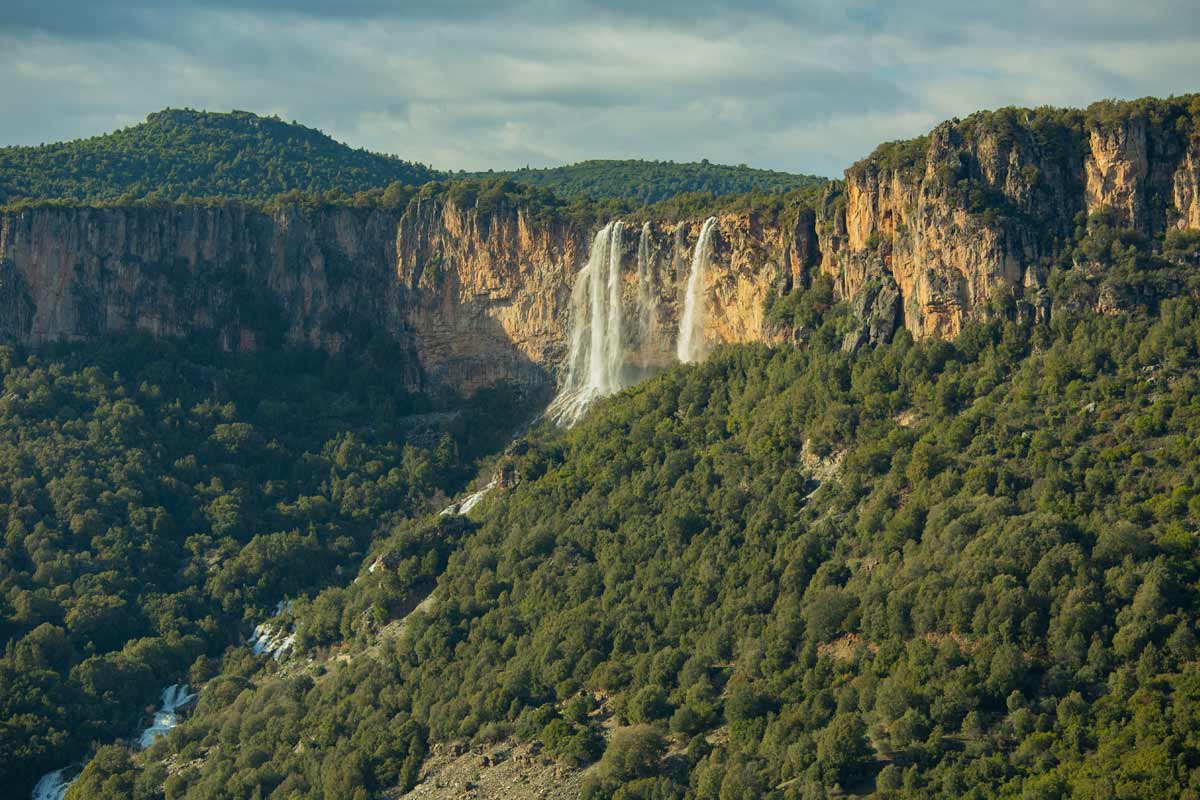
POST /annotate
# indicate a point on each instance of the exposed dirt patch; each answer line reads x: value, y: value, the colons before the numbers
x: 504, y: 771
x: 821, y: 468
x: 845, y: 647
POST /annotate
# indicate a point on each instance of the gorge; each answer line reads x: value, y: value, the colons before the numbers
x: 920, y: 235
x: 957, y: 349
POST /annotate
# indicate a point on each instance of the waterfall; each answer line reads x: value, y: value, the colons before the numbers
x: 609, y: 346
x: 596, y: 356
x: 166, y: 718
x: 647, y: 294
x: 54, y: 785
x: 608, y: 349
x: 690, y: 346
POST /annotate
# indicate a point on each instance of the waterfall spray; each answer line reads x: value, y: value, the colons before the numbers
x: 690, y: 345
x: 614, y: 344
x: 596, y: 358
x: 647, y: 293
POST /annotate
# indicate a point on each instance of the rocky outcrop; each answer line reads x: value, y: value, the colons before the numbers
x: 1116, y: 167
x: 1186, y: 187
x: 980, y: 206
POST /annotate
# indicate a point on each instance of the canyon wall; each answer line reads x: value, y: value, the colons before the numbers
x: 471, y: 298
x: 921, y: 234
x: 474, y: 281
x: 988, y: 204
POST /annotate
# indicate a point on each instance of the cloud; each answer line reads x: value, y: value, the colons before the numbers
x: 469, y: 84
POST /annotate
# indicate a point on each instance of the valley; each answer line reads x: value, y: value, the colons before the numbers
x: 884, y: 485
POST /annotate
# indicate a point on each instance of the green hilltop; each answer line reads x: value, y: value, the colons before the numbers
x: 176, y: 152
x: 180, y: 153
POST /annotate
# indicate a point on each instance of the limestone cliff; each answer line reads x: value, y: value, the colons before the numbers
x: 986, y: 204
x: 488, y: 296
x: 473, y: 291
x: 471, y: 298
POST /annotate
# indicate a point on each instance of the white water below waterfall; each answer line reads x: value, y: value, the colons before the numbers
x: 166, y: 719
x: 273, y: 639
x: 54, y: 785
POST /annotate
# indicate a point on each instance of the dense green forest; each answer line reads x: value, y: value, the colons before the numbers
x: 958, y: 568
x: 649, y: 182
x: 181, y: 153
x: 157, y: 499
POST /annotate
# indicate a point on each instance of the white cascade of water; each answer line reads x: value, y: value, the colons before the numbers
x: 596, y: 358
x: 274, y: 640
x: 690, y: 345
x: 647, y: 293
x: 166, y: 718
x: 614, y: 341
x: 54, y: 785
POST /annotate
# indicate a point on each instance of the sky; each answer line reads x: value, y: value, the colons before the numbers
x: 467, y: 84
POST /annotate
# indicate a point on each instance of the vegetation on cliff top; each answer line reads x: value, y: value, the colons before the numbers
x: 486, y: 197
x: 650, y: 182
x: 180, y: 153
x: 1052, y: 133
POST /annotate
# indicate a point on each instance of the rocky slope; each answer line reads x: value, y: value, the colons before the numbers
x: 921, y: 234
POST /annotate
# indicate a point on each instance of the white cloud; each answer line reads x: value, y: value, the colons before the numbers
x: 470, y: 85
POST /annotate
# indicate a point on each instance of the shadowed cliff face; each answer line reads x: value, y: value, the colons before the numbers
x: 922, y: 234
x: 474, y: 299
x: 81, y: 273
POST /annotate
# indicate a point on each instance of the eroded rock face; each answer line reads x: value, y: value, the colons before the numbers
x: 973, y: 209
x: 486, y: 295
x: 80, y: 273
x: 472, y: 299
x: 1117, y: 166
x: 910, y: 225
x: 1186, y: 187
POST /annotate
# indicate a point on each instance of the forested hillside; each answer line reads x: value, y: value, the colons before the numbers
x: 180, y: 152
x: 158, y: 499
x: 647, y: 182
x: 942, y: 568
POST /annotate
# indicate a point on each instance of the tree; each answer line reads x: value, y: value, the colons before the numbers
x: 633, y: 752
x: 842, y: 749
